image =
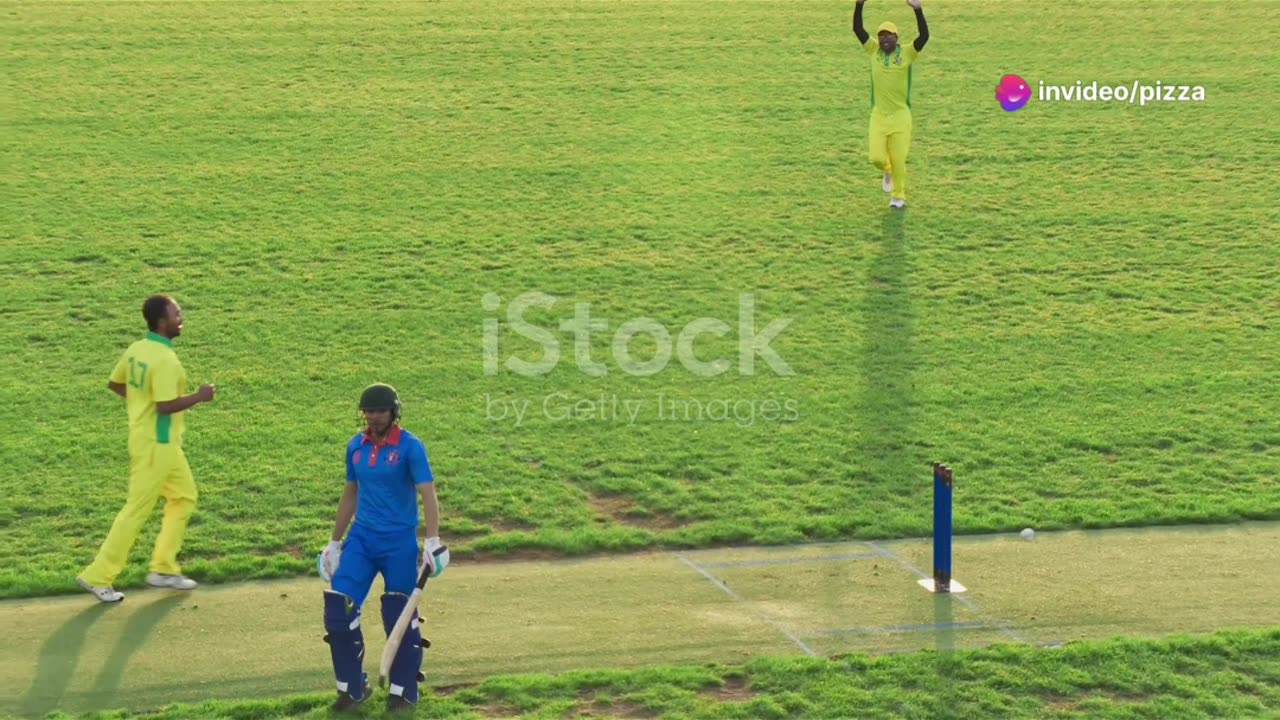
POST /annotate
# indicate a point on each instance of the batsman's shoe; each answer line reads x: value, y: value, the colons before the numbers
x: 105, y: 594
x: 177, y: 582
x: 346, y: 703
x: 887, y: 183
x: 397, y: 704
x: 897, y: 204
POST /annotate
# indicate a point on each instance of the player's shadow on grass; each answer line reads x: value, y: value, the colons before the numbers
x: 57, y: 662
x: 887, y: 360
x: 134, y: 636
x: 944, y: 642
x: 60, y: 654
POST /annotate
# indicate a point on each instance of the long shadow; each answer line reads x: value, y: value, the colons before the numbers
x: 883, y: 468
x: 887, y: 367
x: 887, y: 379
x: 944, y: 639
x: 57, y: 662
x: 134, y: 636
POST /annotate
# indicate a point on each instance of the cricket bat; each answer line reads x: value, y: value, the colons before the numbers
x: 402, y: 624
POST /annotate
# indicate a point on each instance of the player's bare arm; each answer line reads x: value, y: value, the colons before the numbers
x: 430, y: 509
x: 922, y: 28
x: 331, y: 556
x: 435, y: 554
x: 177, y: 405
x: 346, y: 511
x: 117, y: 388
x: 858, y: 29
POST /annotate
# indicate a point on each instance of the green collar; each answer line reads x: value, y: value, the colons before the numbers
x: 160, y: 339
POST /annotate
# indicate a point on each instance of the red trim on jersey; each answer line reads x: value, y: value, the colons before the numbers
x: 392, y: 439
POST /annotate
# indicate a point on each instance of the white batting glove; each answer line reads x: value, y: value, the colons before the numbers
x: 435, y: 555
x: 327, y: 563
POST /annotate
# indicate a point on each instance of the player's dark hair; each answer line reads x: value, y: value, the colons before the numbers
x: 154, y: 309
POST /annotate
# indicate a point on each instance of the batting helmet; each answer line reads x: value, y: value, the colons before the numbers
x: 381, y: 396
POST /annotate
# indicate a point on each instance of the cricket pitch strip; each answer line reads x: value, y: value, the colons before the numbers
x: 263, y: 639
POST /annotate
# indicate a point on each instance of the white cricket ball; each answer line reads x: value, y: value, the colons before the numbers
x: 1028, y: 534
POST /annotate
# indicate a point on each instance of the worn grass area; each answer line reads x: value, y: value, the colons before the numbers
x: 1229, y: 674
x: 1078, y: 312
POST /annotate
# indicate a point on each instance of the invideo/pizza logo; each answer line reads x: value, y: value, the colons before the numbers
x: 1012, y: 92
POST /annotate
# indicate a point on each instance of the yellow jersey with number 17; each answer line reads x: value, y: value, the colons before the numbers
x: 890, y: 76
x: 151, y: 374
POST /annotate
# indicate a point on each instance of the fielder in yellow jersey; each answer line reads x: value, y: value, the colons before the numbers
x: 889, y: 139
x: 151, y: 380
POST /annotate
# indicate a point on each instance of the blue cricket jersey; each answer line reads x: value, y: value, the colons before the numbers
x: 388, y: 475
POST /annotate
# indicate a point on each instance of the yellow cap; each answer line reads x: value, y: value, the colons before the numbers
x: 887, y: 26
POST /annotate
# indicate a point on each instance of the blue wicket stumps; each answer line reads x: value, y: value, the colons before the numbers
x: 943, y: 484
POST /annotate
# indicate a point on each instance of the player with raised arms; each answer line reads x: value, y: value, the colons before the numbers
x: 889, y: 137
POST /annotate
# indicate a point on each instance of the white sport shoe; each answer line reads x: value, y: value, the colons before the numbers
x: 105, y: 594
x: 177, y: 582
x: 896, y: 203
x: 887, y: 184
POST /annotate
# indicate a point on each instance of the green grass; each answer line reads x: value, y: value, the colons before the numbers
x: 1228, y: 674
x: 1078, y: 311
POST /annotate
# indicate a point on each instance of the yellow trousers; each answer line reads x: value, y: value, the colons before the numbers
x: 888, y: 145
x: 154, y: 471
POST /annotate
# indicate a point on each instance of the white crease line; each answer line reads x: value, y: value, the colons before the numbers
x: 891, y: 629
x: 1003, y: 627
x: 738, y: 598
x: 791, y: 560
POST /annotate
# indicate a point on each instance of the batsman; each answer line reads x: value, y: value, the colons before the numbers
x: 387, y: 472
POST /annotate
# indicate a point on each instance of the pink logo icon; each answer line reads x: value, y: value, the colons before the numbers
x: 1012, y: 92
